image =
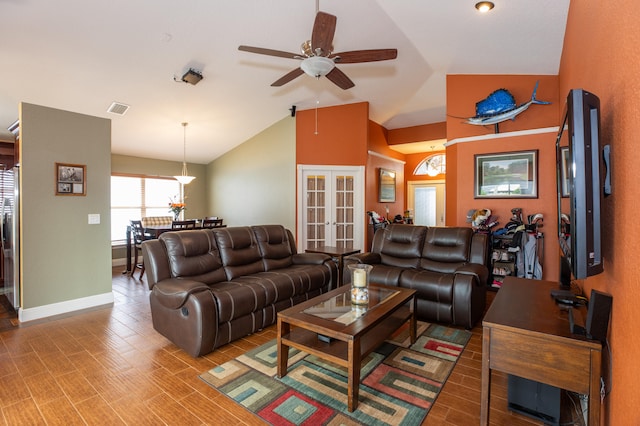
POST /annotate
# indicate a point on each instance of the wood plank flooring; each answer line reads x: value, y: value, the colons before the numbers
x: 108, y: 366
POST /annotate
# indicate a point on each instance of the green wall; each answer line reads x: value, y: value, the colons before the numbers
x: 255, y: 183
x: 66, y: 263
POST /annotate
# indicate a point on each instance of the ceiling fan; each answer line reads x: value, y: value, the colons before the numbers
x: 317, y: 57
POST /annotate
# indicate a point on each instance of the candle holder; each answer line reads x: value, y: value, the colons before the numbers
x: 360, y: 283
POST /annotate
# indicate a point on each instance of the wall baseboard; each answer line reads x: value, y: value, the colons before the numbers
x: 39, y: 312
x: 119, y: 262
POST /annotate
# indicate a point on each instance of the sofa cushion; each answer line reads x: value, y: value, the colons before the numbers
x: 445, y: 249
x: 399, y: 246
x: 287, y: 283
x: 384, y: 274
x: 275, y: 246
x: 239, y: 251
x: 237, y: 299
x: 193, y: 255
x: 429, y: 285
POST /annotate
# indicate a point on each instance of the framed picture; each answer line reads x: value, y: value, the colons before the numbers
x: 506, y: 175
x: 387, y: 189
x: 71, y: 179
x: 564, y: 171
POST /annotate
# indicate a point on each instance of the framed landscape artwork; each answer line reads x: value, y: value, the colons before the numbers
x: 506, y: 175
x: 70, y: 179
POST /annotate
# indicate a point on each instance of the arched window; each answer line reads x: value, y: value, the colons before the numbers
x: 433, y: 165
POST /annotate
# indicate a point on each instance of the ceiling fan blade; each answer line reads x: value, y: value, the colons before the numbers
x: 269, y: 52
x: 340, y: 79
x: 356, y: 56
x: 287, y: 77
x: 324, y: 28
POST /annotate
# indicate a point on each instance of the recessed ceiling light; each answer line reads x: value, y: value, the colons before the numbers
x: 484, y: 6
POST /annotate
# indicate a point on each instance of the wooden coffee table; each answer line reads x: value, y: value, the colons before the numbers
x: 329, y: 327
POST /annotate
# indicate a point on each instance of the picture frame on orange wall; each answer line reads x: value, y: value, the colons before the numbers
x: 506, y: 175
x: 387, y: 186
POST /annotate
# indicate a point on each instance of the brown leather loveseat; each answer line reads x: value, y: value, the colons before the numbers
x: 212, y: 286
x: 447, y: 266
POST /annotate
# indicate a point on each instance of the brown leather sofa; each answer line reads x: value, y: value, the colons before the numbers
x: 447, y: 266
x: 212, y: 286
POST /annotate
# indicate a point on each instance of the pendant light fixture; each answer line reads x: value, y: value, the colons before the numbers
x: 184, y: 179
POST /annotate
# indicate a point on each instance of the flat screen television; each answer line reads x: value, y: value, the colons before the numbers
x: 582, y: 164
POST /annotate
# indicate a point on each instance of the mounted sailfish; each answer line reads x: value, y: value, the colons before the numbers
x: 501, y: 106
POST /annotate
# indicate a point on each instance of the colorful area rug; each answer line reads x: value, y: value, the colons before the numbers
x: 399, y: 384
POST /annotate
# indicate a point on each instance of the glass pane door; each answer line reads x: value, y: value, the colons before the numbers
x: 426, y: 200
x: 316, y: 225
x: 344, y: 211
x: 330, y: 206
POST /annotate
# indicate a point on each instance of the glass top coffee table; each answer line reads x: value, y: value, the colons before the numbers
x: 330, y: 327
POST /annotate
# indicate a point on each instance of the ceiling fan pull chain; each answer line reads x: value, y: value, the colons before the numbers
x: 316, y: 132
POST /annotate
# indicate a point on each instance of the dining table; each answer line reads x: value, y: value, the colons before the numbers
x: 152, y: 232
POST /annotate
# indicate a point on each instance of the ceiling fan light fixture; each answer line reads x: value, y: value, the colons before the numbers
x: 484, y: 6
x: 317, y: 66
x: 184, y: 178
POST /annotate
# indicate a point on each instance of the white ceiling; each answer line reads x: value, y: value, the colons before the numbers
x: 81, y: 55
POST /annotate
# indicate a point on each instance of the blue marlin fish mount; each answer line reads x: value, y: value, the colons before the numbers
x: 501, y: 106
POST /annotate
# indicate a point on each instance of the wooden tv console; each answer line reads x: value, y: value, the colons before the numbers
x: 525, y: 333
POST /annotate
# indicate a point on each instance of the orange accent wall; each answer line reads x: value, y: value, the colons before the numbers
x: 600, y: 54
x: 463, y: 91
x: 345, y: 136
x: 464, y: 192
x: 341, y: 138
x: 425, y: 132
x: 388, y: 159
x: 412, y: 162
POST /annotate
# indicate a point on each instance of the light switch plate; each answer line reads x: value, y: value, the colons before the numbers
x: 94, y: 219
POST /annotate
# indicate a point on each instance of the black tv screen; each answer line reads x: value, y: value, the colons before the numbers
x: 580, y: 172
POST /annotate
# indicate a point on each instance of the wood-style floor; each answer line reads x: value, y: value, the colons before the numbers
x: 108, y: 366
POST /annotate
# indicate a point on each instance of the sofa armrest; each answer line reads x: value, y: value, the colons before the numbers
x: 479, y: 271
x: 185, y: 312
x: 173, y: 293
x: 310, y: 258
x: 368, y: 258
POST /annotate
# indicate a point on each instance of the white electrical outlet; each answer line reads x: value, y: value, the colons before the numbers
x: 94, y: 219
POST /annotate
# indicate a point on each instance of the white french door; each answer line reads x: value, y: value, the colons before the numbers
x: 426, y: 200
x: 330, y: 206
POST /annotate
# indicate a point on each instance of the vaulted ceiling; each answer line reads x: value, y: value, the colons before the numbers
x: 81, y: 56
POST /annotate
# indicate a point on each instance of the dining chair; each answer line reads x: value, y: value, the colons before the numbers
x: 211, y: 223
x: 183, y: 224
x: 138, y: 237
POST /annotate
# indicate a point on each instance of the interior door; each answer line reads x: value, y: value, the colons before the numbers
x: 329, y: 203
x: 426, y: 199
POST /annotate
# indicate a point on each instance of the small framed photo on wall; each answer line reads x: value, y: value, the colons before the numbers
x: 71, y: 179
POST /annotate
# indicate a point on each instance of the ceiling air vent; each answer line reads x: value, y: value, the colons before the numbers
x: 118, y: 108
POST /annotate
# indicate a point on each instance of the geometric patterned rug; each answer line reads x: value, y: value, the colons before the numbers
x: 398, y: 385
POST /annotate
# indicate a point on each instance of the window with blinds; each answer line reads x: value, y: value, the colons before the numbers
x: 135, y: 197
